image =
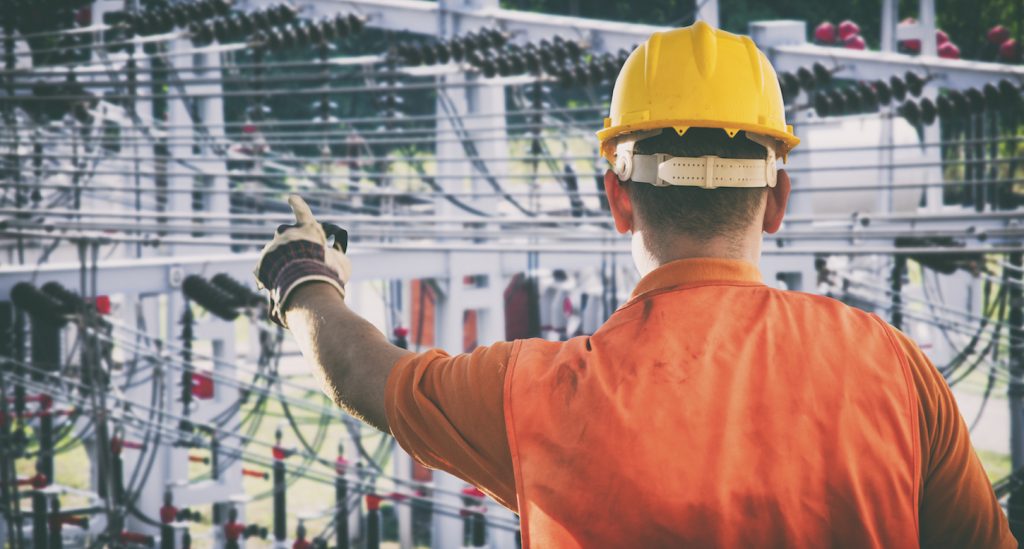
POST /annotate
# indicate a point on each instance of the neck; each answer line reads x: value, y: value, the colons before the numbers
x: 651, y: 255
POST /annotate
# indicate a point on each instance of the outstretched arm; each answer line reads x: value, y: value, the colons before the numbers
x: 352, y: 358
x: 305, y: 272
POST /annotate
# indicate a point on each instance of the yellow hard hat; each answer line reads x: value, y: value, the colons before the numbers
x: 697, y: 76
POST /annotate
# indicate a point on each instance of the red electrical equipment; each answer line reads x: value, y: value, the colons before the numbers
x: 825, y: 33
x: 855, y: 42
x: 847, y: 30
x: 168, y: 514
x: 255, y: 474
x: 997, y: 35
x: 233, y: 530
x: 202, y: 385
x: 137, y: 538
x: 473, y: 499
x: 37, y: 481
x: 373, y: 502
x: 949, y: 50
x: 1009, y: 51
x: 103, y: 306
x: 117, y: 444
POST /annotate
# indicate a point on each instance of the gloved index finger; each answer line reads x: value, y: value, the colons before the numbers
x: 303, y: 215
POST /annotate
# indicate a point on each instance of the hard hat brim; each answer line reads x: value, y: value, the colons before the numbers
x: 606, y: 135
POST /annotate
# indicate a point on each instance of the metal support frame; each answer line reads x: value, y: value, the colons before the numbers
x: 707, y: 11
x: 1015, y: 279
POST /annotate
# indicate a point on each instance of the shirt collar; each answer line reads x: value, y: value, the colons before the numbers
x: 684, y: 272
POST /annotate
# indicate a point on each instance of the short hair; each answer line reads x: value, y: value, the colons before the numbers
x: 699, y: 213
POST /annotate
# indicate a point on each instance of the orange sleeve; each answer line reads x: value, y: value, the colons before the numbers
x: 448, y: 413
x: 958, y: 507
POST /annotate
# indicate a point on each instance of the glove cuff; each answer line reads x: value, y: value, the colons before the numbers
x: 293, y: 274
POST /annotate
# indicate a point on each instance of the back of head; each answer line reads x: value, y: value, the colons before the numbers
x: 695, y: 124
x: 693, y: 212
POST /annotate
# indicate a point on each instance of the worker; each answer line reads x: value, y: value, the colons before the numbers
x: 710, y: 410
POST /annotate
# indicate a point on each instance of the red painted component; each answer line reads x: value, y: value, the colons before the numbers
x: 301, y: 544
x: 168, y: 513
x: 855, y: 43
x: 340, y: 464
x: 38, y: 480
x: 848, y: 29
x: 280, y: 453
x: 1009, y: 51
x: 77, y: 521
x: 949, y: 50
x: 468, y: 511
x: 249, y: 128
x: 103, y: 304
x: 135, y: 537
x: 941, y: 37
x: 401, y: 331
x: 373, y: 502
x: 233, y: 530
x: 473, y: 492
x: 256, y: 474
x: 913, y: 45
x: 398, y: 496
x: 997, y: 35
x: 202, y: 385
x: 199, y: 459
x: 117, y: 444
x: 825, y: 33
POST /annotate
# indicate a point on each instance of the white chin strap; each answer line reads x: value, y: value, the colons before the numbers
x: 706, y: 172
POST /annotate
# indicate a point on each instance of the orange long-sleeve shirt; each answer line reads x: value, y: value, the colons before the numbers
x: 448, y: 413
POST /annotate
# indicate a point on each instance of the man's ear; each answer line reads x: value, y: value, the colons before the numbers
x: 775, y: 209
x: 619, y: 202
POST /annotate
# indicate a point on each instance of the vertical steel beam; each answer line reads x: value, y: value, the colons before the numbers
x: 707, y: 11
x: 280, y: 502
x: 926, y: 16
x: 40, y: 524
x: 899, y: 271
x: 1015, y: 279
x: 889, y: 15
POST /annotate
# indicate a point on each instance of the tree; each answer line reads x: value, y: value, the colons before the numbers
x: 966, y: 21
